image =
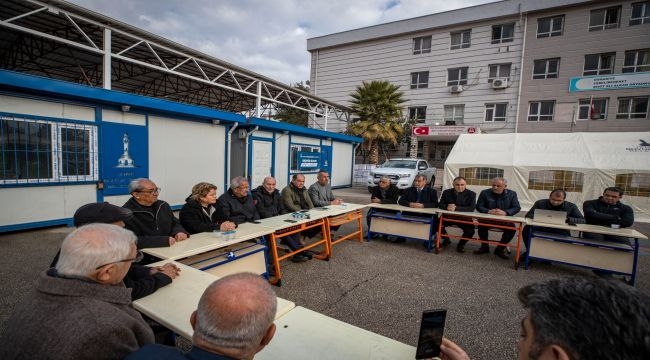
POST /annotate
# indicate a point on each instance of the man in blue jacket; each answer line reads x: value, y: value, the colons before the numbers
x: 497, y: 201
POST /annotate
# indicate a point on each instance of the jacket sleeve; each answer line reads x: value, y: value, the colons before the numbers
x: 314, y: 194
x: 573, y: 214
x: 176, y: 226
x: 259, y: 205
x: 142, y: 283
x: 481, y: 203
x: 469, y: 204
x: 531, y: 213
x: 432, y: 201
x: 404, y: 199
x: 514, y: 205
x: 287, y: 199
x: 193, y: 222
x: 593, y: 215
x: 626, y: 216
x: 442, y: 204
x: 152, y: 241
x: 223, y: 209
x: 392, y: 194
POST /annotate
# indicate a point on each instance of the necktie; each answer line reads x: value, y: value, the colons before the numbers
x: 419, y: 193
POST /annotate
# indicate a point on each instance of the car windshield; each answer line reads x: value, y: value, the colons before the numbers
x: 400, y: 164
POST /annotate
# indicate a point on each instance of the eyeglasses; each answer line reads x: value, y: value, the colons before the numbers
x: 138, y: 257
x: 151, y: 191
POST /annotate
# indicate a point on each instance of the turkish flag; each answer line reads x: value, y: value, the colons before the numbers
x: 420, y: 130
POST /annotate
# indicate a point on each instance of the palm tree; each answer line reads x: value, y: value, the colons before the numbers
x: 378, y: 105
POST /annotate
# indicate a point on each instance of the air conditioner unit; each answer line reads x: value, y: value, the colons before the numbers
x: 500, y: 83
x: 456, y: 89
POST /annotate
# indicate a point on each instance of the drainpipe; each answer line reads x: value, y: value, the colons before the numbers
x: 232, y: 129
x: 521, y: 67
x: 248, y: 134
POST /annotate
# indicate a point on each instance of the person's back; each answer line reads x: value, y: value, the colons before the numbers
x: 73, y: 316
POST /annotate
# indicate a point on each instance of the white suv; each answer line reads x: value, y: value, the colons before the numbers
x: 401, y: 172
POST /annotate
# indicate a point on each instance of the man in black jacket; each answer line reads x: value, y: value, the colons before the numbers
x: 497, y: 201
x: 608, y: 211
x: 419, y: 196
x: 268, y: 202
x: 383, y: 193
x: 460, y: 199
x: 236, y: 204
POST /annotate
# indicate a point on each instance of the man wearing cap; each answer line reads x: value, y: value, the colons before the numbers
x: 81, y: 309
x: 143, y: 280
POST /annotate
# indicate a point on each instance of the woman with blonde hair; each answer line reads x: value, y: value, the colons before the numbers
x: 199, y: 214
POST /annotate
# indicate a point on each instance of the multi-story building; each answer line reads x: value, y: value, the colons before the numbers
x: 499, y: 67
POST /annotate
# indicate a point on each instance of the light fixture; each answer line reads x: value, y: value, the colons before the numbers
x: 126, y: 108
x: 215, y: 122
x: 437, y: 124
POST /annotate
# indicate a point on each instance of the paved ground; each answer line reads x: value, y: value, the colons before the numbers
x: 379, y: 286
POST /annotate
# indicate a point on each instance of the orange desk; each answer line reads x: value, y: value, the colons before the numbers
x: 474, y: 218
x: 339, y: 215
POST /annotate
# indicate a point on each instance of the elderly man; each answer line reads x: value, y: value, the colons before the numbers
x: 609, y: 211
x: 556, y: 202
x: 153, y: 221
x: 384, y: 193
x: 142, y: 280
x: 268, y: 202
x: 320, y: 192
x: 81, y: 309
x: 419, y: 196
x: 295, y: 197
x: 237, y: 204
x: 567, y: 317
x: 497, y: 201
x: 460, y: 199
x: 234, y: 320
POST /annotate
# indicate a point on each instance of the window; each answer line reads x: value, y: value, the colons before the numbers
x: 607, y: 18
x: 421, y: 45
x: 632, y: 108
x: 550, y: 26
x: 418, y: 113
x: 592, y: 109
x: 35, y: 151
x: 499, y: 71
x: 495, y: 112
x: 419, y: 80
x: 503, y: 33
x: 457, y: 76
x: 634, y: 184
x: 555, y: 179
x: 637, y: 61
x: 454, y: 114
x: 599, y: 64
x: 461, y: 39
x: 480, y: 175
x: 546, y: 68
x: 640, y: 13
x: 541, y: 111
x: 305, y: 158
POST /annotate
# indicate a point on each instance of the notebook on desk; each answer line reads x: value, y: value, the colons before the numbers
x: 550, y: 217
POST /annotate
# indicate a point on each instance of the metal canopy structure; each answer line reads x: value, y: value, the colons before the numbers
x: 60, y: 40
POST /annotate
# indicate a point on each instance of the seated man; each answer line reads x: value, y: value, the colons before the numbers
x: 609, y: 211
x: 295, y: 197
x: 459, y: 198
x: 555, y: 202
x: 419, y: 196
x: 81, y: 309
x: 234, y: 320
x: 384, y: 193
x: 567, y: 316
x: 497, y: 201
x: 142, y: 280
x: 236, y: 204
x: 320, y: 192
x: 269, y: 203
x: 153, y: 221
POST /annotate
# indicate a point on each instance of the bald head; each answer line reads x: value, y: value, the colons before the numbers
x: 235, y: 315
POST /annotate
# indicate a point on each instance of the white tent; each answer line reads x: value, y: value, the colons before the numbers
x: 535, y: 163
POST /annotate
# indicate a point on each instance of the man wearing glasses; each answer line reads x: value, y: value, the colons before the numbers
x: 153, y: 221
x: 81, y: 309
x: 237, y: 204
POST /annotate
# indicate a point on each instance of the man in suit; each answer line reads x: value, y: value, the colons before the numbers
x: 460, y: 199
x: 419, y: 196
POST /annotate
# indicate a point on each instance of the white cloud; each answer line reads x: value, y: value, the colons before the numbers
x: 267, y: 37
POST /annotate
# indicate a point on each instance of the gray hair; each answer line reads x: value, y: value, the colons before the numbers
x: 136, y: 184
x: 93, y: 245
x: 386, y: 178
x: 235, y: 312
x: 237, y: 181
x: 505, y: 182
x: 268, y: 178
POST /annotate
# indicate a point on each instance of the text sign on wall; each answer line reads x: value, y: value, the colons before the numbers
x: 610, y: 82
x: 308, y: 161
x: 125, y: 156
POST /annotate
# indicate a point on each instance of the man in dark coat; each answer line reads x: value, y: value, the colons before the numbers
x: 236, y: 204
x: 609, y: 211
x: 497, y: 201
x: 419, y: 196
x: 460, y: 199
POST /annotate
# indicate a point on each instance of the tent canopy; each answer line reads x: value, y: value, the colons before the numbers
x: 582, y: 163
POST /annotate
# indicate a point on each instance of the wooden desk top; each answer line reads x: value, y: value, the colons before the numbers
x: 173, y: 304
x: 204, y: 242
x: 306, y: 334
x: 596, y: 229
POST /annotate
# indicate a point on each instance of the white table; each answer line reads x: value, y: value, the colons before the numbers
x: 306, y: 334
x: 173, y: 304
x: 418, y: 225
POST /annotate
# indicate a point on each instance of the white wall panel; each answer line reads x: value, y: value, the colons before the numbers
x: 46, y: 108
x: 341, y: 164
x: 123, y: 117
x: 34, y: 204
x: 183, y: 153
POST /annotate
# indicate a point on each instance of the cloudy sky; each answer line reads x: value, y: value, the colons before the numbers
x: 266, y: 36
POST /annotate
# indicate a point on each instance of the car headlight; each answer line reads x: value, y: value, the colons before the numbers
x: 404, y: 176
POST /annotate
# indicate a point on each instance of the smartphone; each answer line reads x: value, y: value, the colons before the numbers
x: 256, y: 222
x: 291, y: 221
x: 431, y: 331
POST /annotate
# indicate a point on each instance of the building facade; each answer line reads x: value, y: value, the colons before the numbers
x: 501, y: 67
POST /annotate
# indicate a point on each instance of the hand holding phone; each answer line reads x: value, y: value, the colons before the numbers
x: 431, y: 331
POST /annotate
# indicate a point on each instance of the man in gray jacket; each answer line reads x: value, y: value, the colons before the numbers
x: 320, y: 192
x: 81, y: 309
